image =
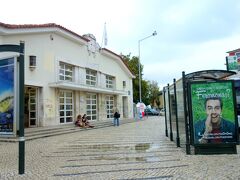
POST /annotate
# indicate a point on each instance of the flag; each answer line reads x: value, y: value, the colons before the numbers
x: 105, y: 40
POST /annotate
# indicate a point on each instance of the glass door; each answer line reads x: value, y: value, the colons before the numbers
x: 66, y: 106
x: 91, y: 106
x: 32, y: 106
x: 109, y: 101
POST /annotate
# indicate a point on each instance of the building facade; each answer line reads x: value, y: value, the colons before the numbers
x: 233, y: 64
x: 67, y: 74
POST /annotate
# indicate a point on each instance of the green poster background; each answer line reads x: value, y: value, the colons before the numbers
x: 203, y: 90
x: 232, y: 63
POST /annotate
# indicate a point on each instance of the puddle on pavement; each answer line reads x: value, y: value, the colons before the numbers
x: 146, y: 147
x: 139, y: 148
x: 142, y: 159
x: 142, y: 147
x: 101, y: 147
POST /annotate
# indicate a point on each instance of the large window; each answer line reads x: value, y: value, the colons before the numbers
x: 91, y: 77
x: 65, y: 72
x: 66, y: 106
x: 109, y: 81
x: 91, y: 106
x: 109, y: 101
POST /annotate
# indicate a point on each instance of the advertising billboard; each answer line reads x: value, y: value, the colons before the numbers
x: 213, y: 112
x: 232, y: 63
x: 7, y: 96
x: 238, y: 57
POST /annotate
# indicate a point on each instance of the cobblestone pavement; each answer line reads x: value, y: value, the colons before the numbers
x: 137, y: 150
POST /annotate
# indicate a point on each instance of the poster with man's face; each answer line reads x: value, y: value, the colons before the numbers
x: 213, y: 112
x: 6, y: 96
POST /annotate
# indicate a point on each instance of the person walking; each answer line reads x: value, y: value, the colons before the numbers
x: 116, y: 116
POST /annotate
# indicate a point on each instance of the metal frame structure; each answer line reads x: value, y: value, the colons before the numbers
x: 19, y: 49
x: 187, y: 79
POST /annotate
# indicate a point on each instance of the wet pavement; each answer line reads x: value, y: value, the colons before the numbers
x: 137, y: 150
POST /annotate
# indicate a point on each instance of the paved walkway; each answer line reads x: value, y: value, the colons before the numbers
x: 137, y: 150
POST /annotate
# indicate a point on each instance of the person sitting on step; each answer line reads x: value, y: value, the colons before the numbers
x: 86, y: 122
x: 79, y: 121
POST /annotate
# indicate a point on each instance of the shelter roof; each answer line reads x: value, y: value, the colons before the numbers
x: 209, y: 75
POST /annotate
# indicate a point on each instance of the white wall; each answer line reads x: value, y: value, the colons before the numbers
x: 49, y: 52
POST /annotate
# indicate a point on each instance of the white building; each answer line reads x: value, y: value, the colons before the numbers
x: 67, y: 74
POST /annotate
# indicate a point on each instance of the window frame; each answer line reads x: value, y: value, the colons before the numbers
x: 109, y: 103
x: 66, y: 104
x: 91, y: 102
x: 109, y: 82
x: 91, y: 77
x: 66, y: 72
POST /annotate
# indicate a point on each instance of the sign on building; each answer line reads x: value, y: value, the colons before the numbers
x: 232, y: 63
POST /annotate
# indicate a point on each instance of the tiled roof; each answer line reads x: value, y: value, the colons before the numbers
x: 233, y: 51
x: 53, y: 25
x: 32, y: 26
x: 120, y: 57
x: 112, y: 52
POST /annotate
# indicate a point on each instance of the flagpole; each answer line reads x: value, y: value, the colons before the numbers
x: 104, y: 36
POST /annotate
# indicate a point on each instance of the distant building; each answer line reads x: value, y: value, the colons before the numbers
x: 233, y: 64
x: 67, y: 74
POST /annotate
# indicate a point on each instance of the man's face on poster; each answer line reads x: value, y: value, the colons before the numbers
x: 213, y: 109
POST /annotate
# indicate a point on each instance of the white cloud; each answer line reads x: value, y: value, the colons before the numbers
x: 192, y: 35
x: 204, y: 56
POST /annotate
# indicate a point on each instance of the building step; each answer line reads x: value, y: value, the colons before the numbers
x: 42, y: 132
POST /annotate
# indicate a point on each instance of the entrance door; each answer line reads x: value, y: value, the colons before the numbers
x: 32, y: 107
x: 109, y: 101
x: 66, y: 106
x: 91, y: 106
x: 125, y: 106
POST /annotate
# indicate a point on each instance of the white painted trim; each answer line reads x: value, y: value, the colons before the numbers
x: 79, y: 87
x: 19, y: 31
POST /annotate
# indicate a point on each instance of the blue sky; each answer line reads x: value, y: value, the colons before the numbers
x: 192, y: 35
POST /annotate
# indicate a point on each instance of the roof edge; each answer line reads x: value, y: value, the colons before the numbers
x: 34, y: 26
x: 118, y: 57
x: 209, y: 74
x: 233, y: 51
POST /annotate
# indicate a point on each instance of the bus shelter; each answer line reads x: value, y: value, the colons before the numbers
x: 201, y: 112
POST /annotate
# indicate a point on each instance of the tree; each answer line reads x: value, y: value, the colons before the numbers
x: 153, y: 93
x: 145, y: 92
x: 133, y: 66
x: 150, y: 90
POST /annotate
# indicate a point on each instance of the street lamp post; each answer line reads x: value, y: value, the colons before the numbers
x: 139, y: 65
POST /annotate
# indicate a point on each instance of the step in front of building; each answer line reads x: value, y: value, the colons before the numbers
x: 43, y: 132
